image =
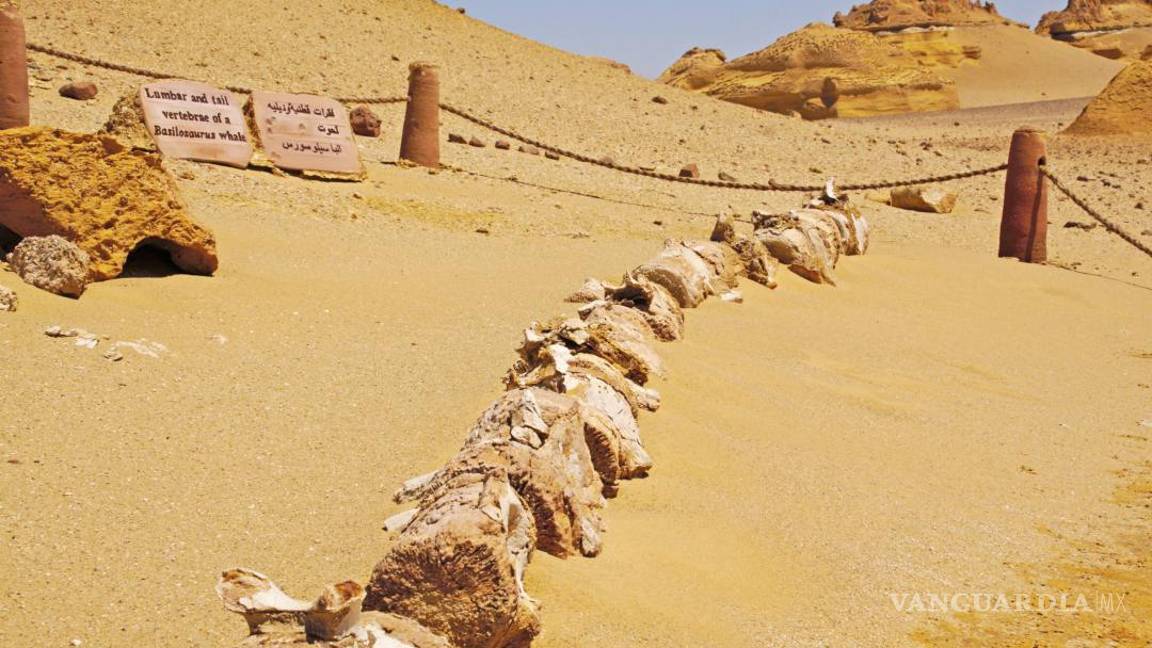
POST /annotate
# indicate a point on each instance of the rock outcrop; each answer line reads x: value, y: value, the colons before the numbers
x: 894, y: 15
x: 698, y: 68
x: 1096, y: 16
x: 95, y: 192
x: 1115, y: 29
x: 51, y: 263
x: 820, y: 72
x: 1123, y: 108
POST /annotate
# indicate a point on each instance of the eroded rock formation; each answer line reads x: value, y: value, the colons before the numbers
x: 892, y: 15
x: 95, y: 192
x: 820, y: 72
x: 1115, y: 29
x: 1123, y: 108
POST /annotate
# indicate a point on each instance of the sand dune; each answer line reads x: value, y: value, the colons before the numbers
x: 943, y: 419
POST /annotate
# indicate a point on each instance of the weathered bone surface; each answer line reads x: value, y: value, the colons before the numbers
x: 759, y: 265
x: 458, y: 568
x: 725, y: 263
x: 537, y: 437
x: 335, y: 620
x: 623, y: 337
x: 686, y: 276
x: 609, y: 403
x: 660, y: 310
x: 799, y: 243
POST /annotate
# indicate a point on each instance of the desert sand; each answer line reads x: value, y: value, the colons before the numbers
x: 943, y: 420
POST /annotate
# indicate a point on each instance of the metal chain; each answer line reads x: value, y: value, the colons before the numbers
x: 750, y: 186
x: 1108, y: 225
x: 153, y: 74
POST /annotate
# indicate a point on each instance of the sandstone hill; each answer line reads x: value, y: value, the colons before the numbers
x: 1115, y: 29
x: 891, y: 15
x: 818, y: 72
x: 1123, y: 108
x: 900, y: 66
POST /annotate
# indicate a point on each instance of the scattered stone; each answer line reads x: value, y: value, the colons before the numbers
x: 725, y: 177
x: 113, y: 355
x: 79, y: 90
x: 882, y: 197
x: 503, y: 145
x: 660, y: 100
x: 476, y: 142
x: 102, y: 196
x: 607, y: 161
x: 690, y: 171
x: 530, y: 150
x: 1147, y: 232
x: 365, y: 123
x: 924, y: 199
x: 51, y: 263
x: 551, y: 156
x: 457, y: 139
x: 8, y: 300
x: 1080, y: 226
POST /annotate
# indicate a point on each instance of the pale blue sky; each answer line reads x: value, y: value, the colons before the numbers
x: 650, y: 34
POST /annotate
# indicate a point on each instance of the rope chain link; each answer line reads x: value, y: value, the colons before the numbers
x: 1082, y: 204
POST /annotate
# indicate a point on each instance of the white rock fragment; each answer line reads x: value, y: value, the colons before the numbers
x: 732, y: 297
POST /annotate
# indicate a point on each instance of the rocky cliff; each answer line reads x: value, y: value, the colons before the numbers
x: 891, y: 15
x: 1115, y: 29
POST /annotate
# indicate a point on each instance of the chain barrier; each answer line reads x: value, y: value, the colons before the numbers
x: 1108, y: 225
x: 770, y: 186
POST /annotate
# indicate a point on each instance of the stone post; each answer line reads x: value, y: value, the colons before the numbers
x: 420, y: 143
x: 13, y: 67
x: 1024, y: 224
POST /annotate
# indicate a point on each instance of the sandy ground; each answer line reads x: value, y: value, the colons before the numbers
x: 942, y: 421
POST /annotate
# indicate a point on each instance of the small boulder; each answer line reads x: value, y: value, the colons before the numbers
x: 51, y: 263
x: 476, y: 142
x: 79, y: 90
x: 726, y: 177
x: 551, y: 156
x: 365, y: 123
x: 690, y: 171
x: 924, y: 199
x: 503, y: 145
x: 530, y: 150
x: 8, y: 300
x: 455, y: 138
x: 659, y: 100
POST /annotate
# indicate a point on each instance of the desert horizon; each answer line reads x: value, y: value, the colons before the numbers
x: 361, y: 323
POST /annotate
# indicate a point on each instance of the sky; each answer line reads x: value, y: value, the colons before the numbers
x: 649, y: 35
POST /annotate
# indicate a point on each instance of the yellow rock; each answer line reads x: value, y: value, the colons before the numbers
x: 821, y: 72
x: 1123, y: 108
x: 103, y: 197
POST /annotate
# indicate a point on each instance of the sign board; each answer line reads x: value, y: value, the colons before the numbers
x: 306, y: 132
x: 195, y: 121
